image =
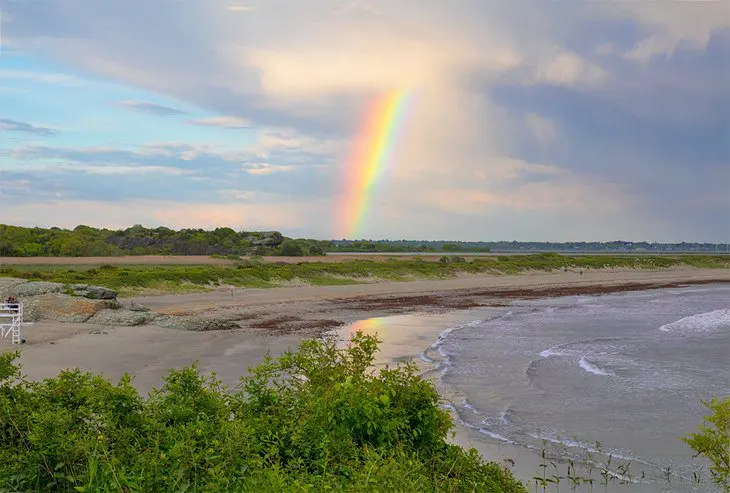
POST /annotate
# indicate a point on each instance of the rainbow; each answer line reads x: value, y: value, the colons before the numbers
x: 372, y: 149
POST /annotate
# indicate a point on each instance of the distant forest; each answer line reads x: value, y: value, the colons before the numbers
x: 523, y: 246
x: 85, y: 241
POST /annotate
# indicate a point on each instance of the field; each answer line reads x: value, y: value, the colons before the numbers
x: 134, y: 275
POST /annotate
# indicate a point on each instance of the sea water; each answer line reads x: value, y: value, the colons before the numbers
x: 591, y: 376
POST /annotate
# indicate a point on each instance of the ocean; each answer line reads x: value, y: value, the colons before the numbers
x: 588, y: 377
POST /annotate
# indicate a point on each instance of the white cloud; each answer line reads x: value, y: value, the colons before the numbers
x: 265, y: 168
x: 111, y: 170
x: 151, y: 108
x: 689, y: 24
x: 542, y: 128
x: 69, y: 213
x: 568, y: 69
x: 231, y: 122
x: 50, y: 78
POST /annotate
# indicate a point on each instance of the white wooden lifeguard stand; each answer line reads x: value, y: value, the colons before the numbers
x: 11, y: 321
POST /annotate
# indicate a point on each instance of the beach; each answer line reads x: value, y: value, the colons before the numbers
x: 408, y: 317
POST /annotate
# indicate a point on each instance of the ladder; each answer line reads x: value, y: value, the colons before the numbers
x: 11, y: 320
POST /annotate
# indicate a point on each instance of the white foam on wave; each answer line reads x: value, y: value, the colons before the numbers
x: 442, y: 336
x: 438, y: 346
x: 593, y: 449
x: 591, y: 368
x: 551, y: 352
x: 700, y: 323
x: 467, y: 405
x: 496, y: 436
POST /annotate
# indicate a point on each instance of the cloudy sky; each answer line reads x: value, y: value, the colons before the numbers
x: 526, y: 120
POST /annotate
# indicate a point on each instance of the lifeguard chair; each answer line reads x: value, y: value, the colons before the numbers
x: 11, y: 321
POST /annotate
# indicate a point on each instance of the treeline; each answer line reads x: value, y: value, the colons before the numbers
x: 524, y: 246
x: 85, y: 241
x: 406, y: 246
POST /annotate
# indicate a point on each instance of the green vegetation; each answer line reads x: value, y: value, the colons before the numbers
x: 405, y: 246
x: 85, y: 241
x: 712, y: 441
x: 129, y: 279
x: 318, y: 419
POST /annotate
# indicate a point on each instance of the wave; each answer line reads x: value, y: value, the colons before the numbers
x: 467, y: 405
x: 593, y: 449
x: 571, y: 348
x: 551, y: 352
x: 496, y: 436
x: 592, y: 368
x: 700, y: 323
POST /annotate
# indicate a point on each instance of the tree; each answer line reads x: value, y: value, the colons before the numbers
x: 72, y: 247
x: 290, y: 248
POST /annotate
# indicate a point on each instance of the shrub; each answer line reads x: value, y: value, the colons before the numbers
x: 319, y: 418
x: 712, y: 441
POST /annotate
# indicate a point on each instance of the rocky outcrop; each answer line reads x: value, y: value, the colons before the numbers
x: 195, y: 324
x: 30, y: 289
x: 93, y: 292
x: 123, y: 317
x: 85, y: 303
x: 34, y: 288
x: 63, y: 307
x: 270, y: 239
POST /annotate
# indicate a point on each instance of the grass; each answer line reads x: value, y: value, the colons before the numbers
x: 134, y: 279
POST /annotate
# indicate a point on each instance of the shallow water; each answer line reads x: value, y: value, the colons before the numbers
x: 622, y: 374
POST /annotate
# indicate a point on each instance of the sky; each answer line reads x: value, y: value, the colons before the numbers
x: 527, y: 121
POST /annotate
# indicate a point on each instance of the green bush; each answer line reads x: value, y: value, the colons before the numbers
x: 712, y: 441
x: 316, y: 419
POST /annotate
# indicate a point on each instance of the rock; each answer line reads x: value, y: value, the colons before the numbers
x: 93, y: 292
x: 122, y: 317
x: 35, y: 288
x: 270, y: 239
x: 63, y: 308
x: 195, y: 324
x: 135, y: 307
x: 6, y: 285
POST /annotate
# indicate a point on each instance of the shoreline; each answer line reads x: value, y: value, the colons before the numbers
x: 415, y: 337
x: 314, y: 309
x: 409, y: 321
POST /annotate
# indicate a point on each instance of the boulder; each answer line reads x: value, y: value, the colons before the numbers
x: 93, y: 292
x: 63, y: 308
x: 127, y: 318
x: 195, y: 324
x: 7, y: 284
x: 35, y: 288
x: 135, y: 307
x: 270, y: 239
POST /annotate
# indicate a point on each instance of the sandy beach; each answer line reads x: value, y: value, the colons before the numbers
x: 275, y: 319
x: 408, y: 317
